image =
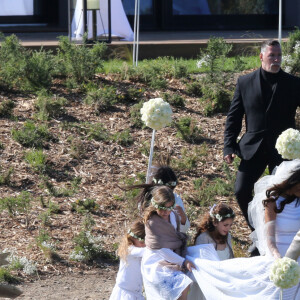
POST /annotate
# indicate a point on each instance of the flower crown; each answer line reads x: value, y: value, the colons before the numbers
x: 160, y: 182
x: 218, y: 216
x: 135, y: 236
x: 160, y: 206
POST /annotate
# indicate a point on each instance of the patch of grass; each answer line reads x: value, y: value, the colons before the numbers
x: 123, y: 138
x: 6, y: 276
x: 48, y: 106
x: 6, y: 108
x: 188, y: 130
x: 37, y: 160
x: 5, y: 177
x: 84, y: 206
x: 31, y: 135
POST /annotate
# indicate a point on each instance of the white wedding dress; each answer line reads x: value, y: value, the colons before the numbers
x: 248, y: 278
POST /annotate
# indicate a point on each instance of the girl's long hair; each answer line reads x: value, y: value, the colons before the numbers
x: 282, y: 189
x: 138, y: 228
x: 207, y: 222
x: 161, y: 195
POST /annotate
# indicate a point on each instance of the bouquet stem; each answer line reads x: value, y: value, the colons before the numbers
x: 150, y: 157
x: 281, y: 296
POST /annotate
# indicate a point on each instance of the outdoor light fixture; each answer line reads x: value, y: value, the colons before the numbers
x: 92, y: 17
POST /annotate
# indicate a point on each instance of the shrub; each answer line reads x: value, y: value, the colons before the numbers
x: 175, y: 99
x: 37, y: 160
x: 6, y: 276
x: 6, y: 108
x: 18, y: 204
x: 79, y: 62
x: 84, y: 206
x: 133, y: 94
x: 6, y: 176
x: 97, y: 132
x: 215, y: 100
x: 294, y: 37
x: 123, y: 138
x: 187, y: 130
x: 103, y: 99
x: 194, y: 89
x: 135, y: 115
x: 31, y: 135
x: 49, y: 107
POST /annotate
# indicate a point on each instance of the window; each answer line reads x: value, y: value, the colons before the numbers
x: 16, y: 7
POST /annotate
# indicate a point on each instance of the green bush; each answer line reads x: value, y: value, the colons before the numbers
x: 188, y: 130
x: 133, y: 94
x: 135, y: 115
x: 174, y: 99
x: 5, y: 177
x: 37, y: 160
x: 49, y: 106
x: 84, y: 206
x: 79, y: 62
x: 194, y: 89
x: 215, y: 100
x: 97, y: 132
x: 31, y: 135
x: 6, y: 276
x: 103, y: 98
x: 294, y: 37
x: 6, y: 108
x: 123, y: 138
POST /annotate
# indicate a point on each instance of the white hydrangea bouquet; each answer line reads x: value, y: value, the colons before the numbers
x: 156, y: 114
x: 285, y: 273
x: 288, y: 144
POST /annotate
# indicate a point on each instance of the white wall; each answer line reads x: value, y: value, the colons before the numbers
x: 16, y: 7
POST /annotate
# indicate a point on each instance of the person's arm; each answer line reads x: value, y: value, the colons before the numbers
x: 293, y: 251
x: 233, y: 125
x: 136, y: 251
x: 184, y: 221
x: 270, y: 229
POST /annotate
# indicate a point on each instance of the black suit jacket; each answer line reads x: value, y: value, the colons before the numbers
x: 262, y: 124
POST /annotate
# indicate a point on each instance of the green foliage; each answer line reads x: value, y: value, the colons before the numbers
x: 135, y: 115
x: 87, y: 246
x: 43, y: 236
x: 134, y: 94
x: 5, y: 177
x: 103, y: 98
x: 6, y: 108
x: 85, y: 206
x: 6, y: 276
x: 190, y: 158
x: 24, y: 69
x: 45, y: 218
x: 174, y: 99
x: 97, y: 132
x: 294, y: 37
x: 79, y: 62
x: 215, y: 99
x: 123, y: 138
x: 15, y: 205
x: 31, y: 135
x: 194, y: 89
x: 77, y: 149
x: 54, y: 208
x: 49, y: 106
x: 62, y: 192
x: 37, y: 160
x: 188, y: 130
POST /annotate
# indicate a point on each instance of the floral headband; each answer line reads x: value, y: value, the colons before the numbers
x: 135, y: 236
x: 160, y: 206
x: 160, y: 182
x: 218, y: 216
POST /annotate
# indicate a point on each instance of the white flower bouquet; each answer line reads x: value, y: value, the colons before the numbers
x: 156, y: 113
x: 288, y: 144
x: 285, y: 273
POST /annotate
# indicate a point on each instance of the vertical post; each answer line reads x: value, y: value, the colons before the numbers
x: 69, y: 20
x: 136, y: 32
x: 280, y: 22
x: 94, y: 21
x: 150, y: 157
x: 84, y: 15
x: 109, y: 21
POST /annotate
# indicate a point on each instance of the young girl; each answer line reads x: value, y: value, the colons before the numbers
x: 163, y: 261
x: 214, y: 229
x: 129, y: 282
x: 162, y: 175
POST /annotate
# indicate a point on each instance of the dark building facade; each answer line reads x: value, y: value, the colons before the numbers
x: 170, y: 15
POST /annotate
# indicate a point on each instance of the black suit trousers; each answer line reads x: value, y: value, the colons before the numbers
x: 249, y: 172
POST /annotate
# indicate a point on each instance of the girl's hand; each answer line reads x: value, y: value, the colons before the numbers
x: 181, y: 213
x: 189, y: 265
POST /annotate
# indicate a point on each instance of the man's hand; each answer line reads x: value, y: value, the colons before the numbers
x: 189, y: 265
x: 181, y: 213
x: 229, y: 158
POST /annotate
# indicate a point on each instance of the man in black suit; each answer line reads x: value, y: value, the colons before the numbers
x: 268, y: 98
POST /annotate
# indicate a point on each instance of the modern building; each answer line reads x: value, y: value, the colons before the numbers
x: 158, y: 15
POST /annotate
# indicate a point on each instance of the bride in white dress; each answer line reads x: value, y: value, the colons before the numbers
x: 248, y: 278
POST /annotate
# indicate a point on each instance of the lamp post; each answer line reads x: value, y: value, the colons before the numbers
x: 93, y: 6
x: 280, y: 22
